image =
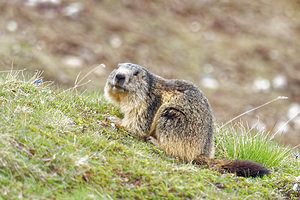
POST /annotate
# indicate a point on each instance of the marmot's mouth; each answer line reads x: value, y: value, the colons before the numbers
x: 119, y: 88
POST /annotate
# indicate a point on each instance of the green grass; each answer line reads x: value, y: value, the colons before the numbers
x: 60, y: 144
x: 241, y: 142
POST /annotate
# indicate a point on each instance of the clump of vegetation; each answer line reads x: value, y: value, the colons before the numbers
x: 241, y: 142
x: 60, y: 144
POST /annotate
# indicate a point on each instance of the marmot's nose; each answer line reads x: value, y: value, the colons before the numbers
x: 119, y: 80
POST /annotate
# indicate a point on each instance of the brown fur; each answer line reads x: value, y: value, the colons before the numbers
x: 174, y: 115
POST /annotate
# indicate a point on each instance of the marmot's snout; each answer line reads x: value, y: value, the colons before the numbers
x: 119, y: 81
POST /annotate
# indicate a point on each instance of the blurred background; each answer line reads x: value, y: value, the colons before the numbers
x: 240, y: 53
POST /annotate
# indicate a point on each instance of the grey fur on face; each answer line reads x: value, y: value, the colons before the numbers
x: 129, y: 78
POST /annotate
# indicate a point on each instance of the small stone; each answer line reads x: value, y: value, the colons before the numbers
x: 73, y: 10
x: 261, y: 85
x: 209, y: 82
x: 55, y: 2
x: 12, y: 26
x: 34, y: 3
x: 295, y: 187
x: 115, y: 41
x: 195, y: 26
x: 279, y: 82
x: 73, y: 62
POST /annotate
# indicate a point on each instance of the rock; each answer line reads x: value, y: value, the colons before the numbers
x: 115, y: 41
x: 73, y: 10
x: 34, y: 3
x: 12, y: 26
x: 261, y: 85
x: 279, y: 82
x: 195, y: 26
x: 295, y: 187
x: 73, y: 61
x: 294, y: 109
x: 209, y: 82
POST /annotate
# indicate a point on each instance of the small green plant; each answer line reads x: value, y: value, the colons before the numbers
x: 241, y: 142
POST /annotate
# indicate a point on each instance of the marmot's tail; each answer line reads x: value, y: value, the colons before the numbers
x: 243, y: 168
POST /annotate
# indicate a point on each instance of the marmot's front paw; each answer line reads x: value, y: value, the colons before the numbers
x: 115, y: 120
x: 151, y: 140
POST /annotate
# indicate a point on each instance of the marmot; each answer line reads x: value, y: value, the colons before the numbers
x: 172, y: 114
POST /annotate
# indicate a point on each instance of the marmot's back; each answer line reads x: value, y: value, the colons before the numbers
x: 184, y: 124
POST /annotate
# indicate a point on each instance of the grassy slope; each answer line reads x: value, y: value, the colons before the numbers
x: 59, y: 144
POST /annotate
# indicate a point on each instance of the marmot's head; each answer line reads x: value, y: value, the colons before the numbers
x: 128, y: 82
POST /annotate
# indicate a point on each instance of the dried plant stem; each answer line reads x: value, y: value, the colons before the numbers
x: 280, y: 129
x: 253, y: 109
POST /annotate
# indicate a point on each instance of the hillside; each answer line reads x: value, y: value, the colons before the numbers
x: 60, y: 144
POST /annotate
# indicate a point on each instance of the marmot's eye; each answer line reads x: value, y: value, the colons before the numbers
x: 136, y: 73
